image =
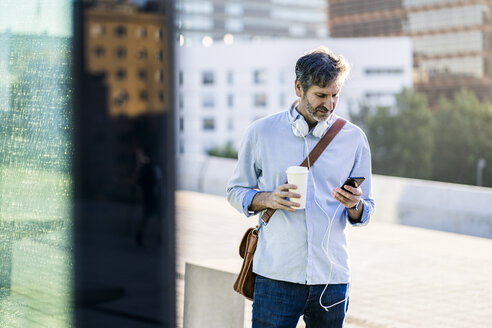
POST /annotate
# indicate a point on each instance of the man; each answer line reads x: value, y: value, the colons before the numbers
x: 301, y: 260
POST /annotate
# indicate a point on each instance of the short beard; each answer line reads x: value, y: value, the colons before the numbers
x: 312, y: 111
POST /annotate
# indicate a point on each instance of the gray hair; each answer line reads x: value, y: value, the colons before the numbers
x: 321, y: 67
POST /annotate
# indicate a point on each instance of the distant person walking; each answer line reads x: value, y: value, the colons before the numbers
x: 149, y: 178
x: 301, y: 261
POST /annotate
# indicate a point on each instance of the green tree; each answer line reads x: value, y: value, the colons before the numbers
x: 228, y: 151
x: 401, y: 137
x: 463, y: 135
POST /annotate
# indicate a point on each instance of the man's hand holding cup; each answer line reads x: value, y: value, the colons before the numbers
x: 278, y: 198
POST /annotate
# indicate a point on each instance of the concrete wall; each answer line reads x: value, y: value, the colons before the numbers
x: 209, y: 299
x: 427, y: 204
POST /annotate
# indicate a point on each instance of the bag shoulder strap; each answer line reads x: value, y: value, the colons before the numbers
x: 314, y: 155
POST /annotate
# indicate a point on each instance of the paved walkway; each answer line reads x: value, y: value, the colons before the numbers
x: 402, y: 276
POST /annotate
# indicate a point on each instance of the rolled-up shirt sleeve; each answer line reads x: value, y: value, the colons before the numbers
x: 242, y: 186
x: 247, y: 200
x: 362, y: 168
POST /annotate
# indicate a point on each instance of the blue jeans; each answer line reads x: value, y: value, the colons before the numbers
x: 279, y: 304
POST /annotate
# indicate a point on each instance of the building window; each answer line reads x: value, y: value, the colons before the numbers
x: 297, y: 30
x: 180, y: 101
x: 230, y: 77
x: 144, y: 95
x: 181, y: 124
x: 159, y: 76
x: 234, y: 9
x: 230, y: 124
x: 121, y: 74
x: 230, y: 100
x: 141, y: 32
x: 159, y: 55
x: 234, y: 25
x: 158, y: 34
x: 98, y: 30
x: 260, y: 100
x: 208, y: 77
x: 141, y: 53
x: 162, y: 96
x: 121, y: 52
x: 383, y: 71
x: 208, y: 100
x: 181, y: 147
x: 180, y: 78
x: 120, y: 31
x: 378, y: 95
x: 142, y: 74
x: 99, y: 51
x: 260, y: 76
x: 121, y: 98
x: 208, y: 124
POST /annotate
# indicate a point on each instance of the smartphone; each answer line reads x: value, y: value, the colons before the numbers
x: 353, y: 182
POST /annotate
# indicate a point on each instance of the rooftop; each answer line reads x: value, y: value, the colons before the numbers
x: 402, y: 276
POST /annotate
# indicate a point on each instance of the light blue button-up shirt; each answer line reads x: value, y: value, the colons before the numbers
x: 296, y: 246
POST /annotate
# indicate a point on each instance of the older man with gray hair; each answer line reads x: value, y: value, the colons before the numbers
x: 301, y: 261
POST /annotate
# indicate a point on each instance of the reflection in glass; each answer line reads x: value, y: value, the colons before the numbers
x: 35, y: 183
x: 124, y: 272
x: 134, y: 41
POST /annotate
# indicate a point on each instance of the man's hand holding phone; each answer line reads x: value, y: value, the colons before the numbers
x: 349, y: 195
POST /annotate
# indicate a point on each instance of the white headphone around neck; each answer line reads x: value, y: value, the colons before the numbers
x: 301, y: 128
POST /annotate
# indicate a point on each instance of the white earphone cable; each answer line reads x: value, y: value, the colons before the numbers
x: 327, y: 233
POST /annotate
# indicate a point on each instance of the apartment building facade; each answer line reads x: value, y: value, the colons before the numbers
x: 452, y: 39
x: 129, y: 47
x: 215, y: 20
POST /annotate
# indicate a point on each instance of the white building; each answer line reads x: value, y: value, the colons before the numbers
x: 222, y: 89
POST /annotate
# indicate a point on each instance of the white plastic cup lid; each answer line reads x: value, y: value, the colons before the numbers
x: 297, y: 170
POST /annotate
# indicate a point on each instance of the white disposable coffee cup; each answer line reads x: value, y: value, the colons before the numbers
x: 298, y: 175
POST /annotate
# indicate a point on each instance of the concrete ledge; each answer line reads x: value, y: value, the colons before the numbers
x: 205, y: 174
x: 435, y: 205
x: 428, y: 204
x: 209, y: 299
